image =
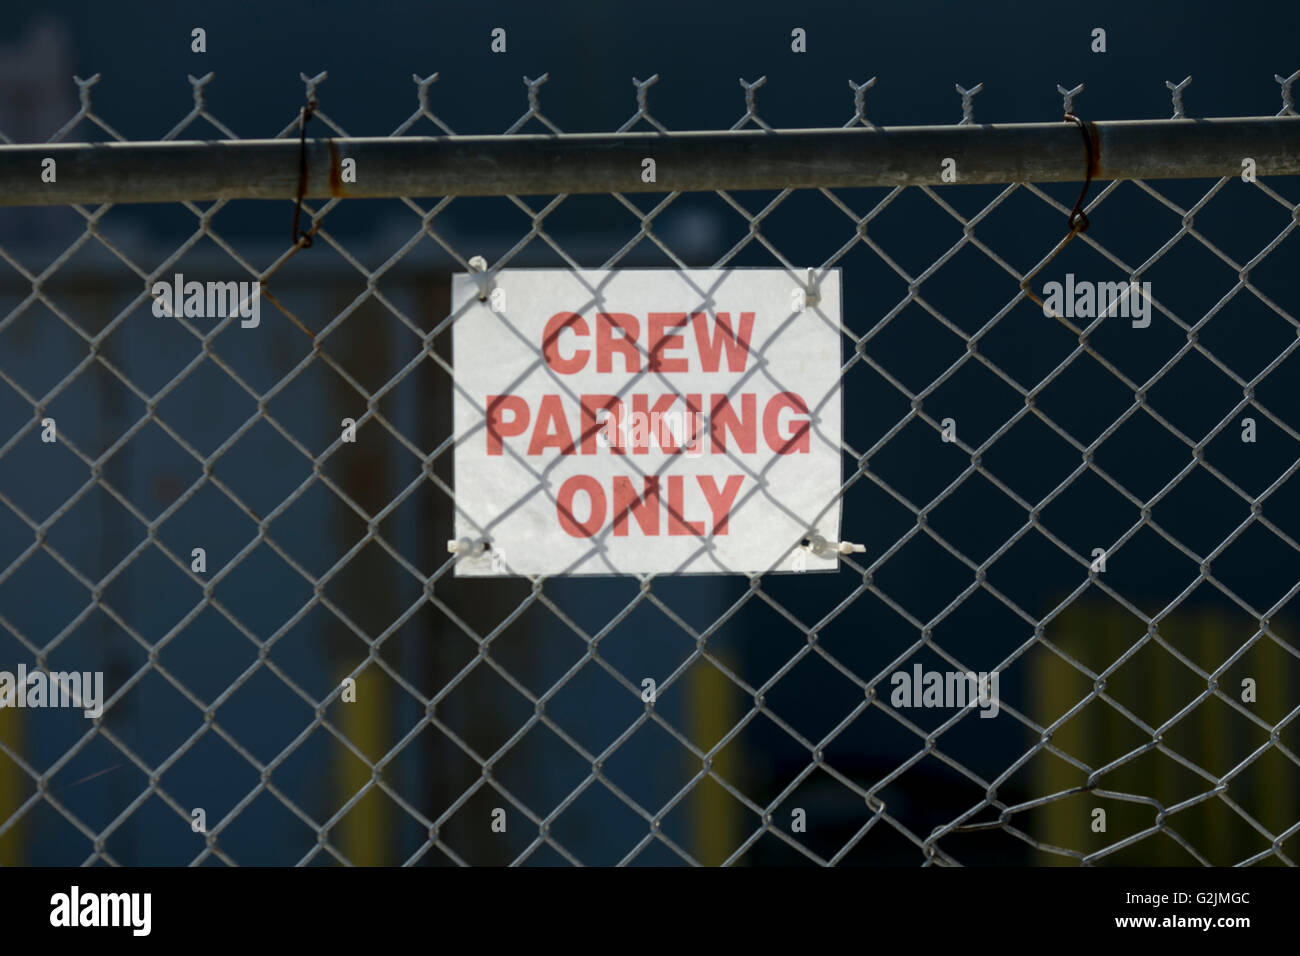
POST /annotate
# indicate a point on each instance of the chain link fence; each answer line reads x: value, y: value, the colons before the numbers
x: 1100, y: 510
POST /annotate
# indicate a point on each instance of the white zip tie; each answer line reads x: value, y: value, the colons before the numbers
x: 478, y: 272
x: 470, y: 547
x: 825, y: 549
x: 812, y: 291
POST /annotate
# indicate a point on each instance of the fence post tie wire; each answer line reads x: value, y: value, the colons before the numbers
x: 303, y: 240
x: 1078, y: 218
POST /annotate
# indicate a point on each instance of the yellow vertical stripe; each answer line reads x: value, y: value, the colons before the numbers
x: 364, y: 835
x: 1095, y: 634
x: 11, y: 788
x: 1276, y: 691
x: 714, y: 813
x: 1213, y: 731
x: 1213, y: 739
x: 1053, y: 696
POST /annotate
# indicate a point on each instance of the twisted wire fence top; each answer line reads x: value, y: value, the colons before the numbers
x: 1122, y: 596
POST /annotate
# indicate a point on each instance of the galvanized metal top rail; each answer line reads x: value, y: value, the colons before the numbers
x: 139, y: 172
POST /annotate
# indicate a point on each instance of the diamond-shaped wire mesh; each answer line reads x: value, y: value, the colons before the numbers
x: 1097, y: 533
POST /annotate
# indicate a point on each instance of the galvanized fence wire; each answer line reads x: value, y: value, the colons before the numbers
x: 990, y: 813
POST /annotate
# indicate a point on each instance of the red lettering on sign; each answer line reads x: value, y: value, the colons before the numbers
x: 659, y: 342
x: 591, y: 426
x: 607, y: 343
x: 624, y: 502
x: 618, y: 332
x: 551, y: 339
x: 677, y: 523
x: 654, y: 424
x: 723, y: 416
x: 596, y: 510
x: 737, y: 347
x: 497, y: 426
x: 786, y: 425
x: 644, y: 510
x: 552, y: 430
x: 720, y: 501
x: 798, y: 439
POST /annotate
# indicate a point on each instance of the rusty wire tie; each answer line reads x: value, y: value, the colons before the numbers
x: 1078, y: 220
x: 303, y: 240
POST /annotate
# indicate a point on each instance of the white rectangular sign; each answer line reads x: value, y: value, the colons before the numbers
x: 645, y: 420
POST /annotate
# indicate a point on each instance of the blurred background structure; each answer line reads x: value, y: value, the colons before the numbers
x: 1137, y: 671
